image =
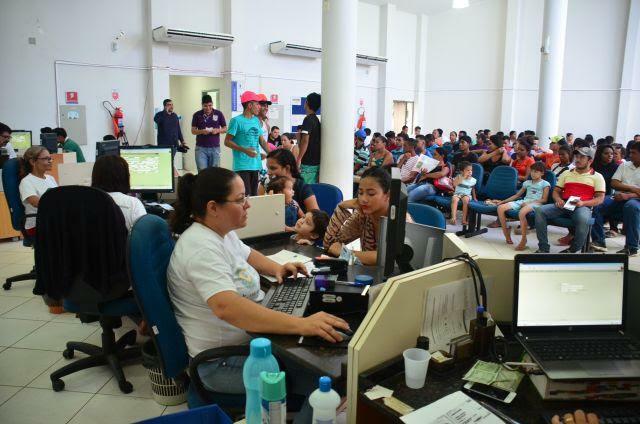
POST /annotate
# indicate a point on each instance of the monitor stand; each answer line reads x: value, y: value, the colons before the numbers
x: 403, y: 260
x: 149, y: 197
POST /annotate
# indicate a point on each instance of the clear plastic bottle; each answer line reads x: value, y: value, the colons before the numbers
x: 324, y: 402
x: 260, y: 359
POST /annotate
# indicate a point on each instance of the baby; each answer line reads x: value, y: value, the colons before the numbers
x: 292, y: 211
x: 465, y: 191
x: 311, y: 227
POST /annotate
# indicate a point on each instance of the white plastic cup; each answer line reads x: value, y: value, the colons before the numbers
x: 416, y: 363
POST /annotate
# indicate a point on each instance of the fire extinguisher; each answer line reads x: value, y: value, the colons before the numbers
x: 117, y: 119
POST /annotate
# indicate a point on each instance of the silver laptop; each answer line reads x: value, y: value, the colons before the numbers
x: 264, y: 217
x: 569, y: 314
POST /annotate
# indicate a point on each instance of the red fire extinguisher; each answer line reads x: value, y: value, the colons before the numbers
x: 118, y: 122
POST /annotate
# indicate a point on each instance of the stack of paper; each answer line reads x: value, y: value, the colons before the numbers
x: 457, y: 408
x: 286, y: 256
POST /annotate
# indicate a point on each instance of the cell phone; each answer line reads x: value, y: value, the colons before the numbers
x: 490, y: 391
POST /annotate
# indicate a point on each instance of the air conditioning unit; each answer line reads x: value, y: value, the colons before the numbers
x: 191, y: 38
x: 364, y: 59
x: 282, y: 47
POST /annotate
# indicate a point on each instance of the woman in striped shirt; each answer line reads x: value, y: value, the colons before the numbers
x: 360, y: 219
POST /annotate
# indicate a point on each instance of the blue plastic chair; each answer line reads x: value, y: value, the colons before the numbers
x: 550, y: 177
x: 210, y: 414
x: 328, y: 196
x: 11, y: 185
x: 149, y: 251
x: 426, y: 215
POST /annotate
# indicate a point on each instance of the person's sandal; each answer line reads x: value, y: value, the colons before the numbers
x: 56, y: 310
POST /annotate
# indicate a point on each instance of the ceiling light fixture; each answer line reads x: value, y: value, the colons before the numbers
x: 460, y: 4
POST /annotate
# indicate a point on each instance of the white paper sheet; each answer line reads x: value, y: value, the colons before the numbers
x: 285, y: 256
x: 448, y: 309
x: 426, y: 163
x: 457, y: 408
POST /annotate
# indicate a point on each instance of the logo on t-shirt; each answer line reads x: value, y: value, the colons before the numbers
x: 215, y: 118
x: 253, y: 132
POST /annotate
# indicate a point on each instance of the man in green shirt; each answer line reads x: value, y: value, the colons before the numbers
x: 69, y: 145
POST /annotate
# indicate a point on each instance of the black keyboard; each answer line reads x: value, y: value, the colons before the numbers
x: 567, y: 350
x: 290, y: 297
x: 606, y: 415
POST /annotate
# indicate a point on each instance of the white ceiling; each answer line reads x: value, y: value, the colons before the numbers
x: 427, y: 7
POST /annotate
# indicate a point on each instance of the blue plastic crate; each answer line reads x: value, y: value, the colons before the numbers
x: 210, y: 414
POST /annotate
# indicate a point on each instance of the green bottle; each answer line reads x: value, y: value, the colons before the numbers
x: 274, y: 397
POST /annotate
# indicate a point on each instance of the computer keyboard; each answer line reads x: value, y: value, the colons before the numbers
x: 606, y: 415
x: 566, y: 350
x: 290, y: 297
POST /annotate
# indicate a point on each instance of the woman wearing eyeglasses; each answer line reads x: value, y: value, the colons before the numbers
x: 35, y: 162
x: 214, y: 278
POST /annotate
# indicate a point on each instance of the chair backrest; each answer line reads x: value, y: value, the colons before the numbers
x: 551, y: 178
x: 328, y: 196
x: 477, y: 173
x: 148, y: 254
x: 502, y: 183
x: 11, y: 186
x: 426, y: 215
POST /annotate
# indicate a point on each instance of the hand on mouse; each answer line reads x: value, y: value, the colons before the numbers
x: 323, y: 325
x: 577, y: 417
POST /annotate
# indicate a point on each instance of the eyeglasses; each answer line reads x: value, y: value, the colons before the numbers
x: 241, y: 202
x: 48, y: 159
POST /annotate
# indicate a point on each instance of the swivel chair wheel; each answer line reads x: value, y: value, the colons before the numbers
x: 7, y: 286
x: 58, y: 385
x: 125, y: 387
x: 67, y: 354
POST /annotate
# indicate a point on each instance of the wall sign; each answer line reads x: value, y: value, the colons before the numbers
x: 71, y: 97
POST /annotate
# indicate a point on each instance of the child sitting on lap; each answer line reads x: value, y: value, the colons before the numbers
x: 536, y: 192
x: 311, y: 227
x: 465, y: 191
x: 292, y: 211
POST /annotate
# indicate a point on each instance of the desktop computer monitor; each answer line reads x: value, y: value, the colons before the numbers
x: 21, y: 139
x: 151, y: 168
x: 50, y: 141
x: 394, y: 246
x: 107, y: 148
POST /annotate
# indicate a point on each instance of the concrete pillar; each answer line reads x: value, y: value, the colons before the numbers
x: 554, y: 32
x: 385, y: 99
x: 339, y: 35
x: 159, y: 62
x: 420, y: 104
x: 510, y: 75
x: 630, y: 80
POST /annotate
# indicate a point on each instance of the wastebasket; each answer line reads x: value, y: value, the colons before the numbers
x: 166, y: 391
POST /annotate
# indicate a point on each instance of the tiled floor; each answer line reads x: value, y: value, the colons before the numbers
x: 31, y: 344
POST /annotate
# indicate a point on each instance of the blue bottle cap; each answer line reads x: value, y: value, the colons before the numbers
x: 260, y: 347
x: 364, y: 280
x: 480, y: 309
x: 325, y: 384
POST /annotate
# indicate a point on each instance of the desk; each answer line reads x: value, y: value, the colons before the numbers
x: 320, y: 360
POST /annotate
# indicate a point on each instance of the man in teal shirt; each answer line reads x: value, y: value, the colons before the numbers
x: 69, y: 145
x: 245, y: 136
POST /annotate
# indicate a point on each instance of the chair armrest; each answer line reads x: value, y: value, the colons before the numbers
x: 207, y: 355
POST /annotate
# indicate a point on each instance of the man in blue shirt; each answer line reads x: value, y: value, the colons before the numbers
x: 245, y: 136
x: 169, y: 133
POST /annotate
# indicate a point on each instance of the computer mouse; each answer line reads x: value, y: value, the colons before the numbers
x: 344, y: 336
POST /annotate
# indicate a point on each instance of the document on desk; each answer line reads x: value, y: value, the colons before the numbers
x: 457, y: 408
x: 285, y: 256
x: 448, y: 309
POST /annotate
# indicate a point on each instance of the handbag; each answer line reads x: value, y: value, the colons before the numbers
x: 443, y: 184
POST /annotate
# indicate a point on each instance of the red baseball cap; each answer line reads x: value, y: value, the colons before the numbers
x: 249, y: 96
x: 263, y: 99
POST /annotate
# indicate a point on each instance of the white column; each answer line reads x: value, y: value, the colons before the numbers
x: 630, y: 80
x: 338, y: 92
x: 420, y: 106
x: 554, y: 30
x: 510, y: 74
x: 158, y: 59
x: 385, y: 100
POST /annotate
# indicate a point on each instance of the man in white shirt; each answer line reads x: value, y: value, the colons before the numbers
x: 408, y: 160
x: 5, y: 140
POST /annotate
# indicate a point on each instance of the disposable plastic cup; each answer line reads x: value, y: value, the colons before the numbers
x: 416, y: 363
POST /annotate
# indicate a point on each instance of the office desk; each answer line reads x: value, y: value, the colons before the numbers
x: 321, y: 360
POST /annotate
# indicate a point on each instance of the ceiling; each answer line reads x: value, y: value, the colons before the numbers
x: 427, y: 7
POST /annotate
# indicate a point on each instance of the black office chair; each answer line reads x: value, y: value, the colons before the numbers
x: 11, y: 184
x: 80, y: 254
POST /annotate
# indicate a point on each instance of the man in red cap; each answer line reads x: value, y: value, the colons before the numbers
x: 245, y: 136
x: 263, y: 116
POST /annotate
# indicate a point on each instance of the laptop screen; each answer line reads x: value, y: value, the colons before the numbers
x: 570, y: 294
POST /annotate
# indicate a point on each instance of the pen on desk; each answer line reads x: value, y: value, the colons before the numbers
x: 497, y: 413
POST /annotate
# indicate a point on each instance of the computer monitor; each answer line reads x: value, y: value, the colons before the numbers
x: 394, y: 247
x: 151, y: 168
x: 21, y: 139
x: 107, y: 148
x: 50, y: 141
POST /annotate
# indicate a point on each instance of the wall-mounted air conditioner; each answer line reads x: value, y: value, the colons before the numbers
x: 365, y: 59
x: 290, y: 49
x: 192, y: 38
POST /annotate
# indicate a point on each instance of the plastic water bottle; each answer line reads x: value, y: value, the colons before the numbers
x: 324, y: 402
x: 260, y: 359
x: 274, y: 397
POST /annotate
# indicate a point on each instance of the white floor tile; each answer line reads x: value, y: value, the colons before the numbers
x: 35, y: 308
x: 88, y: 381
x: 137, y: 375
x: 42, y: 406
x: 176, y: 408
x: 13, y: 269
x: 6, y: 392
x: 54, y: 336
x: 19, y: 366
x: 109, y: 409
x: 7, y: 258
x: 12, y: 330
x: 8, y: 303
x: 19, y: 289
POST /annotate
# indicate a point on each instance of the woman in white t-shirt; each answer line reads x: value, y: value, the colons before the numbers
x: 213, y: 277
x: 111, y: 174
x: 35, y: 162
